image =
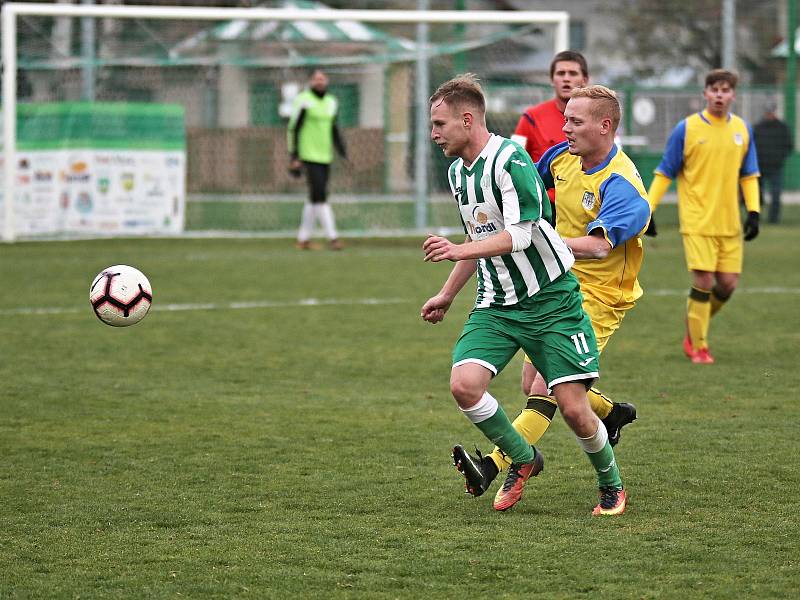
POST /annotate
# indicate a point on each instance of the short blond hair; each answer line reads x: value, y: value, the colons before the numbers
x: 460, y: 92
x: 606, y: 105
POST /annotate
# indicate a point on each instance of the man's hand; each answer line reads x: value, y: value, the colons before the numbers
x: 295, y: 167
x: 751, y: 226
x: 651, y: 230
x: 434, y: 309
x: 439, y: 248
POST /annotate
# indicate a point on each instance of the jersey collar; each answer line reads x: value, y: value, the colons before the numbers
x: 494, y: 141
x: 711, y: 119
x: 604, y: 164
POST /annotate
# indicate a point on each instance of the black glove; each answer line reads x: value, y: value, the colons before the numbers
x: 295, y: 170
x: 751, y: 226
x: 651, y: 228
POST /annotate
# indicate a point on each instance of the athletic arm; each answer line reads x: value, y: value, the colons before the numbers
x: 670, y: 165
x: 435, y: 307
x: 748, y: 176
x: 750, y: 193
x: 525, y: 132
x: 338, y: 141
x: 592, y: 246
x: 439, y: 248
x: 623, y: 215
x: 658, y: 187
x: 294, y: 133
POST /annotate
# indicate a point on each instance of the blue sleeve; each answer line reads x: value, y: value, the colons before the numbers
x: 750, y: 162
x: 624, y: 213
x: 672, y: 161
x: 543, y: 166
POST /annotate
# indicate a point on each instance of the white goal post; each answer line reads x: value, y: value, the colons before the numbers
x: 12, y: 11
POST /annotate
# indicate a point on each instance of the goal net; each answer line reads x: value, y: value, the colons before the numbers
x: 128, y: 120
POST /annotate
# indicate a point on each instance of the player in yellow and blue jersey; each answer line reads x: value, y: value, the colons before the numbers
x: 712, y: 154
x: 602, y: 212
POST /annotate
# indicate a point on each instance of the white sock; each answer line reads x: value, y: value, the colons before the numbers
x: 484, y: 409
x: 596, y: 442
x: 328, y: 221
x: 306, y: 223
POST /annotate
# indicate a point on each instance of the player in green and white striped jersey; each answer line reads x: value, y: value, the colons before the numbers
x: 526, y: 296
x: 495, y: 190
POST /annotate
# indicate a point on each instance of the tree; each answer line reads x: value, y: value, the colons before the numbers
x: 661, y: 35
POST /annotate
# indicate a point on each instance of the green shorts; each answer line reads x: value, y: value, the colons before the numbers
x: 551, y: 327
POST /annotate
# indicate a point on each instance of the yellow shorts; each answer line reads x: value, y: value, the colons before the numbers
x: 715, y: 254
x: 605, y: 319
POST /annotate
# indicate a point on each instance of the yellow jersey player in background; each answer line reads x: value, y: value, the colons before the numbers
x: 712, y: 154
x: 602, y: 213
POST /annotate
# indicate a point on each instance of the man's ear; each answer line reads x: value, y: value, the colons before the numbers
x: 467, y: 119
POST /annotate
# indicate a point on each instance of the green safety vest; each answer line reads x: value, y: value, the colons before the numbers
x: 315, y: 142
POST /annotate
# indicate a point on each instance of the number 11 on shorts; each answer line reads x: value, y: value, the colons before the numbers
x: 579, y: 339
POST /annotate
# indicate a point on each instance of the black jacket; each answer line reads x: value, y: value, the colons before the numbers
x: 773, y: 144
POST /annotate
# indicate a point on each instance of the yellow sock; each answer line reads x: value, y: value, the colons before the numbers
x: 717, y: 301
x: 698, y: 315
x: 601, y: 405
x: 531, y: 423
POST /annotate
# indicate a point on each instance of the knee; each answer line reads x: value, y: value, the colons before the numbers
x: 532, y: 381
x: 528, y: 379
x: 526, y: 385
x: 725, y: 287
x: 464, y: 392
x: 538, y: 387
x: 704, y: 281
x: 725, y: 291
x: 570, y: 412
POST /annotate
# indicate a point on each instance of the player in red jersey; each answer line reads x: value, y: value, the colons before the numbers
x: 540, y: 126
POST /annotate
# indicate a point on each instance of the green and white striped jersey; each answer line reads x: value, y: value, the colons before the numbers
x: 501, y: 188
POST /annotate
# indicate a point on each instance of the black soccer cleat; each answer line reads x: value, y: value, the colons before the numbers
x: 622, y: 414
x: 477, y: 473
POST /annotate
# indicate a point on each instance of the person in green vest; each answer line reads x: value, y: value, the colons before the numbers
x: 312, y: 135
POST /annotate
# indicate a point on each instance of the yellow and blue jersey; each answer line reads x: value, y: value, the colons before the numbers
x: 612, y: 198
x: 709, y: 156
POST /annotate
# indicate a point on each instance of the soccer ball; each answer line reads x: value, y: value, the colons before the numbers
x: 120, y: 296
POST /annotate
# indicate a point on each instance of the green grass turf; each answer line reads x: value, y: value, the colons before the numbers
x: 303, y: 451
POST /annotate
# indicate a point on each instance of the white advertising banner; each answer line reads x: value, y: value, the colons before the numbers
x: 100, y: 192
x: 90, y: 169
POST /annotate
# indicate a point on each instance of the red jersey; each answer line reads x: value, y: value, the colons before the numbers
x: 541, y: 126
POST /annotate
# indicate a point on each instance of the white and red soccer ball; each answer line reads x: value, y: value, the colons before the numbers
x: 120, y: 296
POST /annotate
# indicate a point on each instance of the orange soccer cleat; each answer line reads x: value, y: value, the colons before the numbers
x: 612, y: 502
x: 511, y: 492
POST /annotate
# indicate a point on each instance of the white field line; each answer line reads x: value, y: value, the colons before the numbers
x: 774, y: 290
x: 26, y: 310
x: 306, y: 302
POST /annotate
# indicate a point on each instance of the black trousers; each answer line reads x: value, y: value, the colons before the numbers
x: 317, y: 178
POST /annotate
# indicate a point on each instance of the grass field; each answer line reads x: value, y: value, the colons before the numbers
x: 246, y: 441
